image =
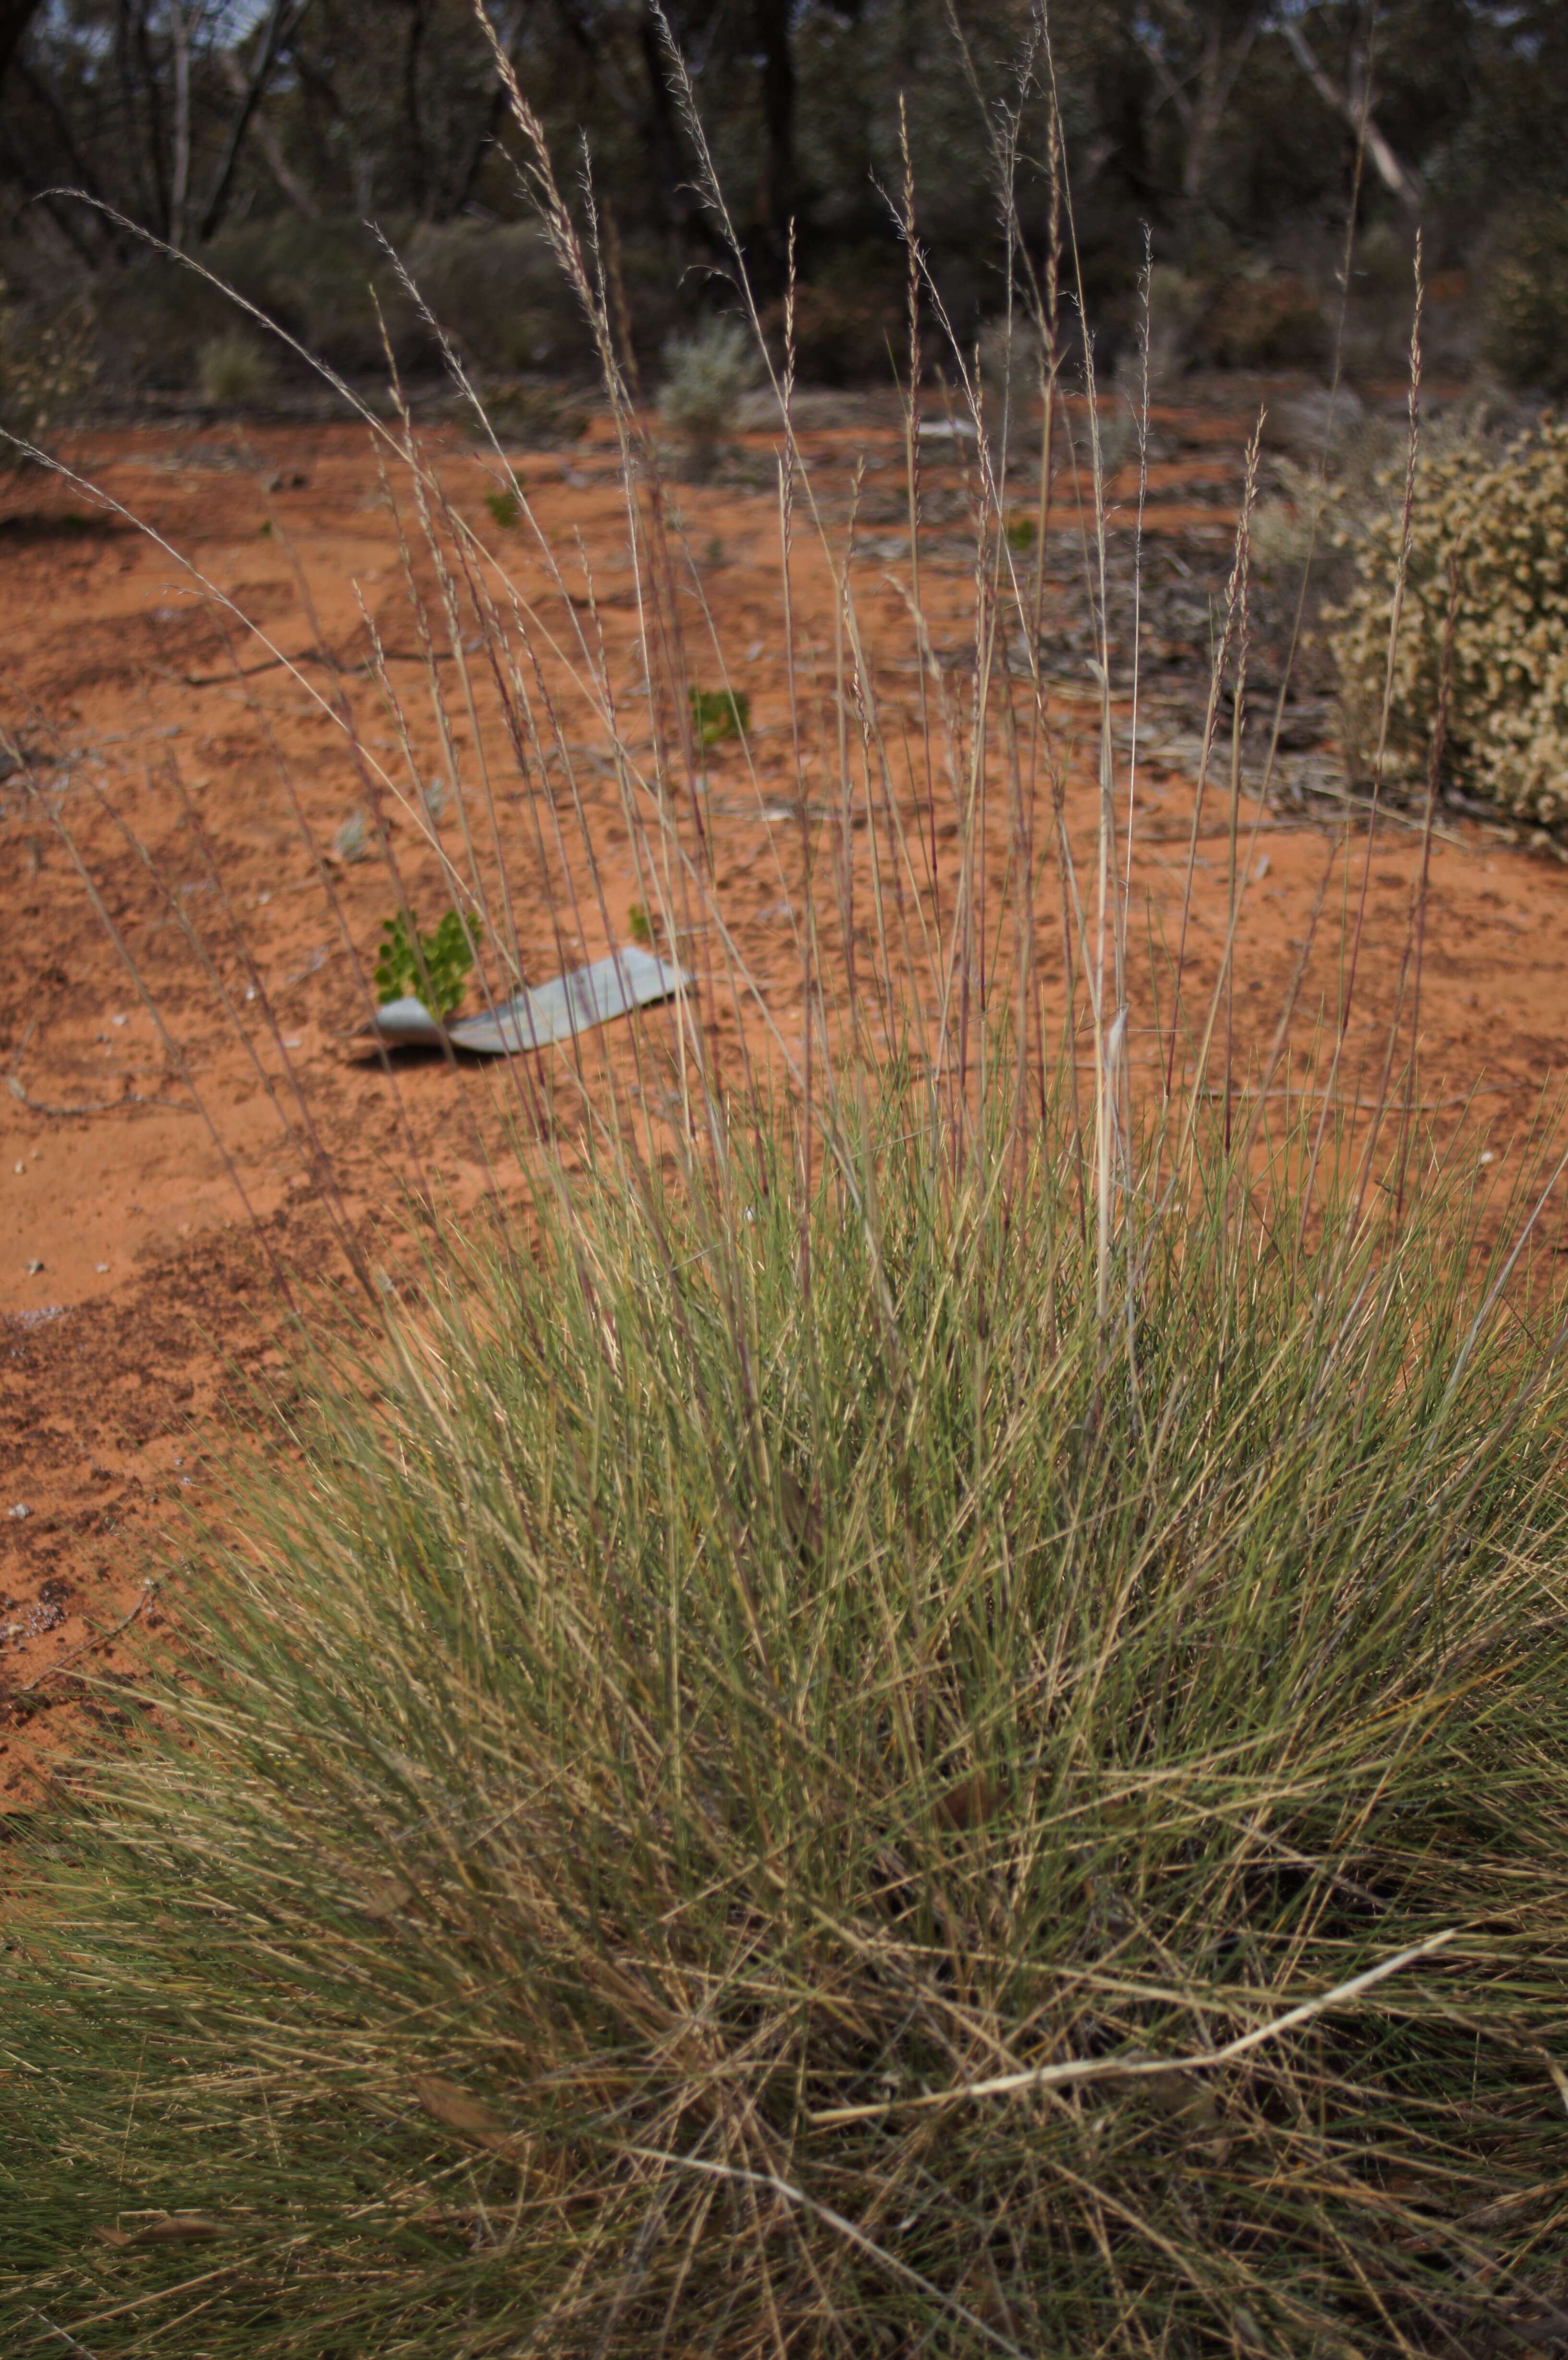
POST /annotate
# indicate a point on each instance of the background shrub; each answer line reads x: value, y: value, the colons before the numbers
x: 321, y: 281
x: 1176, y: 305
x: 46, y: 373
x: 1525, y: 335
x: 496, y: 289
x: 707, y: 378
x: 851, y: 324
x: 1272, y: 322
x: 235, y: 370
x: 1496, y: 523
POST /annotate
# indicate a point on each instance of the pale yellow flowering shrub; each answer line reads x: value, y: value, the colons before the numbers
x: 1497, y: 523
x: 46, y: 372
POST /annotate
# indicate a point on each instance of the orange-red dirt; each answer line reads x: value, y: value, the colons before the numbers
x: 136, y: 1286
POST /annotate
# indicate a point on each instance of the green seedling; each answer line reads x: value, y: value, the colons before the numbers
x: 1021, y: 532
x: 506, y: 508
x: 637, y: 920
x: 434, y: 967
x: 719, y: 712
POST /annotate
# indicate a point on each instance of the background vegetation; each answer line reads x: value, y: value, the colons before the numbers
x: 263, y: 134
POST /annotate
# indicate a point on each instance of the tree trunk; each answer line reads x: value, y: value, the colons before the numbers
x: 1203, y: 123
x: 41, y: 92
x: 280, y: 21
x: 776, y: 186
x: 679, y: 205
x: 16, y: 15
x: 277, y: 164
x: 1353, y: 108
x: 180, y: 188
x: 419, y: 165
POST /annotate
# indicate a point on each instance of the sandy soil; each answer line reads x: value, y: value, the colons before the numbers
x: 161, y: 1164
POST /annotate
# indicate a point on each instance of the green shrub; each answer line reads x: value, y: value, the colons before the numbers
x: 707, y: 377
x: 1525, y: 333
x: 495, y: 287
x: 328, y: 282
x: 661, y: 1732
x: 235, y: 371
x: 1496, y: 522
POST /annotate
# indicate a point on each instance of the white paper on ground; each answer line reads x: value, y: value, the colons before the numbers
x: 551, y: 1011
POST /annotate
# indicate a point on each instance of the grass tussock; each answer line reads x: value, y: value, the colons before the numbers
x: 670, y: 1729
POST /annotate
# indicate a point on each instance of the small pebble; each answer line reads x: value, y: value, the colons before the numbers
x: 20, y: 1509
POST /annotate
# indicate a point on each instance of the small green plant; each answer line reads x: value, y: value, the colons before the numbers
x: 506, y: 508
x: 707, y: 378
x: 233, y: 371
x: 638, y: 922
x: 432, y: 967
x: 719, y: 712
x: 352, y: 840
x: 1021, y: 533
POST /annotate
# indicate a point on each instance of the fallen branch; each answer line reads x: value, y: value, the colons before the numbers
x: 1108, y: 2068
x: 311, y: 655
x: 100, y: 1639
x: 101, y: 1105
x: 98, y: 1106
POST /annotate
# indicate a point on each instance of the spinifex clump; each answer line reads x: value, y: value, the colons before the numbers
x: 679, y: 1731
